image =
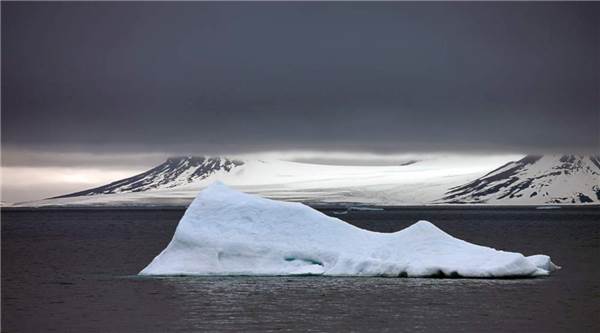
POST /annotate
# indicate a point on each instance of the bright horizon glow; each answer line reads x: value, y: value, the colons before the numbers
x: 34, y: 183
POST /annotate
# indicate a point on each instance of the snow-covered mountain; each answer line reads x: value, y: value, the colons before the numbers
x: 551, y: 179
x: 430, y: 180
x: 176, y: 171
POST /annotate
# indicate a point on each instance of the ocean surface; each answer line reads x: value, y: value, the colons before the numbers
x: 74, y: 270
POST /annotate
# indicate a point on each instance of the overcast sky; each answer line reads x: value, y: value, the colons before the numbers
x: 171, y: 78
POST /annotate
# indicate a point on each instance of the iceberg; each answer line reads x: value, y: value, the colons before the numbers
x: 226, y: 232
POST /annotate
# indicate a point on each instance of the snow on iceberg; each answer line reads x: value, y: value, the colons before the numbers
x: 226, y: 232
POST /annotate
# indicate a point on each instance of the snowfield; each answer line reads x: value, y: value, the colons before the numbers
x: 226, y: 232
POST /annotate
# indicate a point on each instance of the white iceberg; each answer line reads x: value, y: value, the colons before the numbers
x: 226, y: 232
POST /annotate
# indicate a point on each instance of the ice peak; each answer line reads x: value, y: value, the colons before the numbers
x: 218, y: 192
x: 424, y: 227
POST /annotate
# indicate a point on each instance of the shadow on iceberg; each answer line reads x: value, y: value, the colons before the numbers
x: 226, y: 232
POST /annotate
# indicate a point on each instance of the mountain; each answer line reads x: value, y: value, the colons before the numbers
x: 551, y: 179
x: 177, y: 171
x: 533, y: 180
x: 177, y: 181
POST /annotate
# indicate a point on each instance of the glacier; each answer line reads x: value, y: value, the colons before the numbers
x: 226, y: 232
x: 177, y: 181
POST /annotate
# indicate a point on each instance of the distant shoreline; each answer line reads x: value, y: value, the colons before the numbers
x: 333, y: 207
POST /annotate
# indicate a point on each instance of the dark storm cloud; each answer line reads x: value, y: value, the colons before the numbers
x: 241, y: 76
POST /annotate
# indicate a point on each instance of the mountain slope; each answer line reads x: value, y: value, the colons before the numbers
x: 173, y: 172
x: 551, y: 179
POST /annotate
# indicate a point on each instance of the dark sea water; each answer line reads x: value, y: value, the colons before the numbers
x: 75, y: 271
